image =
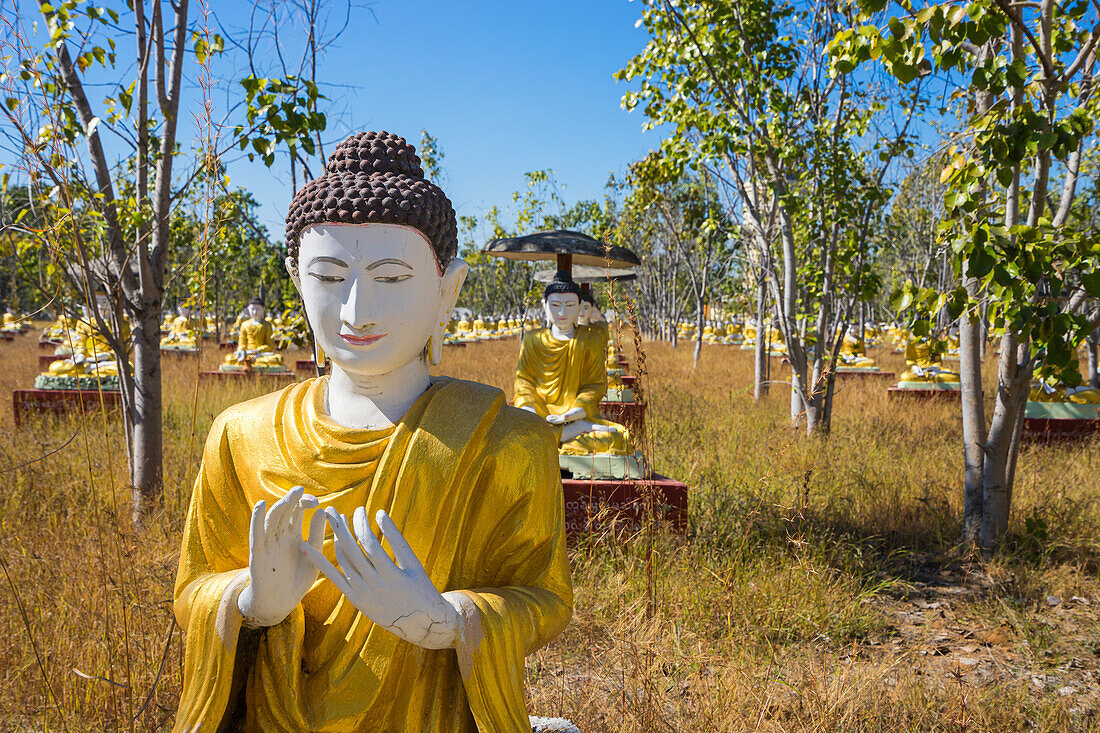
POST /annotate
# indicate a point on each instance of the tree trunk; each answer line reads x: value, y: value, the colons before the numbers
x: 700, y: 323
x: 973, y: 421
x: 1093, y: 378
x: 1014, y: 379
x: 760, y: 366
x: 146, y: 472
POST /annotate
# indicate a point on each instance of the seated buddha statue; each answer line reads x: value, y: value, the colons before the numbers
x: 464, y: 330
x: 734, y: 333
x: 183, y: 332
x: 12, y: 323
x: 479, y: 328
x: 297, y: 615
x: 591, y: 316
x: 256, y: 343
x: 56, y: 331
x: 925, y: 365
x: 1043, y: 391
x: 92, y: 355
x: 749, y: 333
x: 561, y: 376
x: 853, y: 354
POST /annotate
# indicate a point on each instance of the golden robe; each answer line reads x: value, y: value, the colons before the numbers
x: 553, y: 377
x: 256, y: 336
x: 473, y: 485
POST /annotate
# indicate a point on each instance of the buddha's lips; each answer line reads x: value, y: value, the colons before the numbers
x: 361, y: 340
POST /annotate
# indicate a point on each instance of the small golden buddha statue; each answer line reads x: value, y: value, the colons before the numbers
x: 297, y: 617
x: 11, y: 322
x: 92, y: 356
x: 561, y: 376
x: 925, y: 366
x: 255, y: 343
x: 853, y: 354
x: 183, y: 333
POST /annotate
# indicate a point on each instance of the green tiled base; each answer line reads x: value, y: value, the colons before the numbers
x: 280, y: 369
x: 615, y: 394
x: 50, y: 381
x: 601, y: 466
x: 948, y: 386
x: 1062, y: 411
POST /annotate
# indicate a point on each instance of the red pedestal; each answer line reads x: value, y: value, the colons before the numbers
x: 44, y: 360
x: 628, y: 380
x: 48, y: 345
x: 890, y: 376
x: 592, y: 506
x: 220, y: 376
x: 61, y: 401
x: 925, y: 395
x: 307, y: 368
x: 630, y: 414
x: 1055, y: 430
x: 228, y: 345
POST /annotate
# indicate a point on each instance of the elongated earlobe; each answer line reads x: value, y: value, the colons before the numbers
x: 435, y: 345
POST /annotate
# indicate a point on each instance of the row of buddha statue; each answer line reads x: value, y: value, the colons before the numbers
x: 460, y: 329
x: 85, y: 358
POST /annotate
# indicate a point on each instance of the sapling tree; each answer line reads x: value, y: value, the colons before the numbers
x: 1022, y: 78
x: 744, y: 87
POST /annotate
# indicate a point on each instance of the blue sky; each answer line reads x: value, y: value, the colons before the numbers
x: 505, y: 86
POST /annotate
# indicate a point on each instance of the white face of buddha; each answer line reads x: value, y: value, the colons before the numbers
x: 256, y: 311
x: 583, y: 319
x: 563, y: 309
x: 373, y: 293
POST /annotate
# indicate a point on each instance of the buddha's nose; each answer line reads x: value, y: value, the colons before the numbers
x: 357, y: 310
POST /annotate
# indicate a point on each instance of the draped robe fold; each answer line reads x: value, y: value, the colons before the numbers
x: 554, y: 376
x: 474, y: 487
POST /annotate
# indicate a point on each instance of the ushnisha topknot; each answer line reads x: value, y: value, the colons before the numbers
x: 375, y: 178
x: 561, y: 284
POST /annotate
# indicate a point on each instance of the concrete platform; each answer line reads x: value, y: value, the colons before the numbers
x: 61, y: 402
x: 592, y: 506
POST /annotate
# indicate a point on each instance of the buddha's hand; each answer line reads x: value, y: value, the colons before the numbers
x: 279, y: 573
x: 568, y: 416
x: 397, y: 596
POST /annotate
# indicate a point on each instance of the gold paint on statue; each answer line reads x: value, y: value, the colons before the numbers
x: 443, y: 473
x: 554, y: 376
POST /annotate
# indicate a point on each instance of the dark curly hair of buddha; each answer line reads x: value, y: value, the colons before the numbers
x: 375, y: 178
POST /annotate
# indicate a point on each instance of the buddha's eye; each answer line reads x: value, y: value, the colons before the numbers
x: 392, y: 278
x: 326, y: 278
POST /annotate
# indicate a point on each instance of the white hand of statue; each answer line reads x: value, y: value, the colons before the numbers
x: 568, y: 416
x: 397, y: 596
x: 279, y: 573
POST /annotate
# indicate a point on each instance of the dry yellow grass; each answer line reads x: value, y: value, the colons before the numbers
x: 817, y: 589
